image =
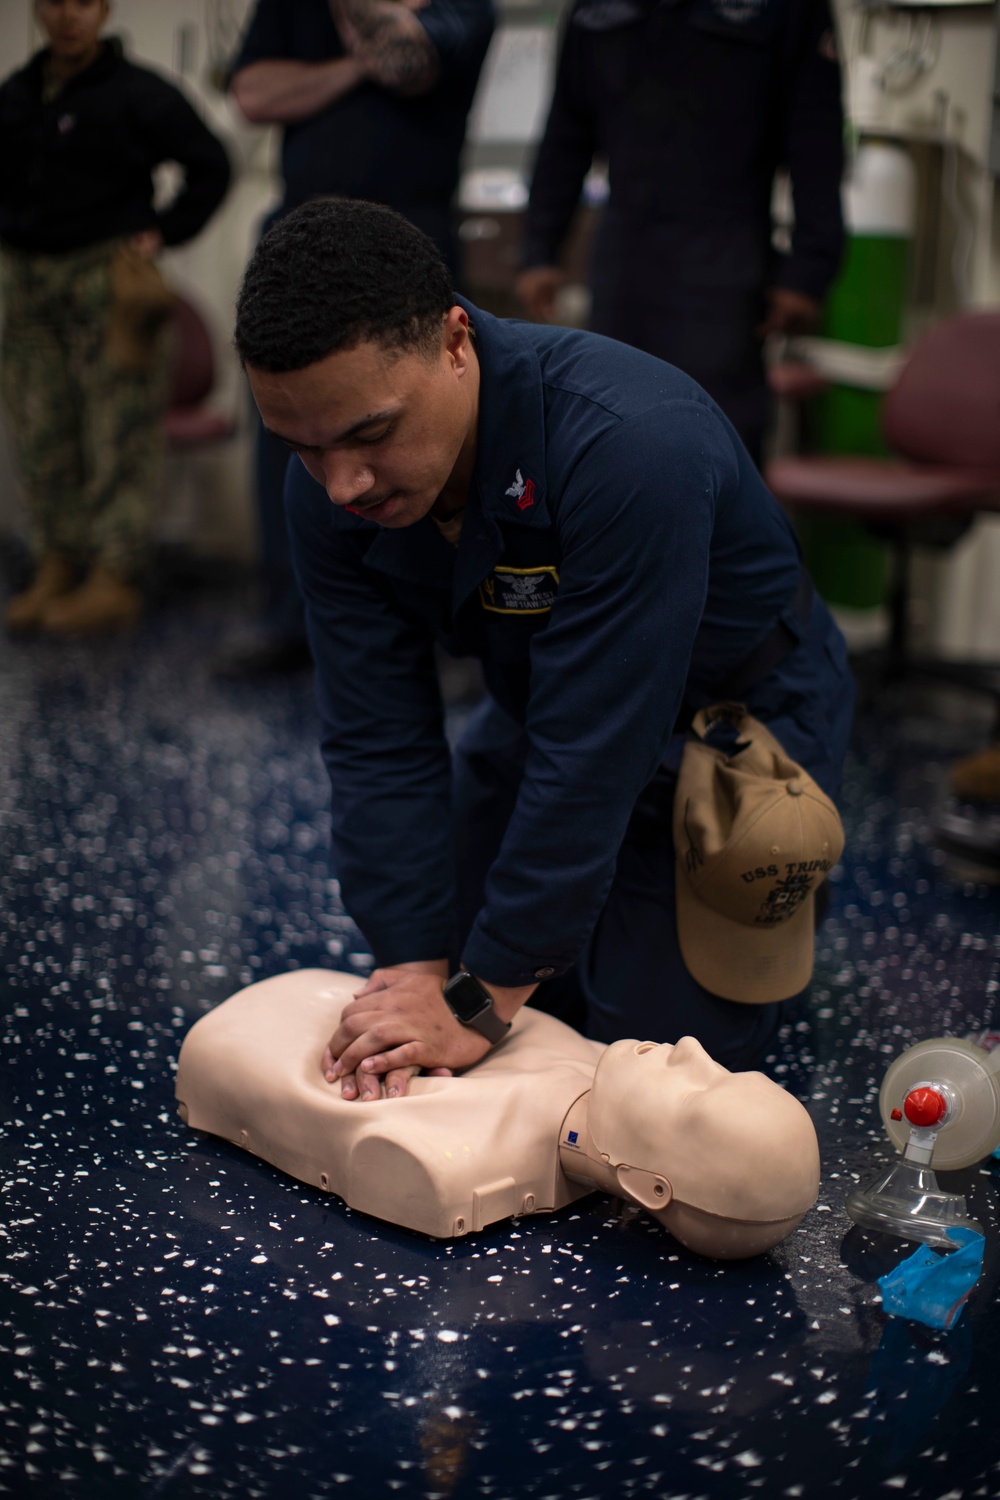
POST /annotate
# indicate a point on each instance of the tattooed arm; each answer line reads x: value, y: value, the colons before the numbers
x: 283, y: 91
x: 389, y: 42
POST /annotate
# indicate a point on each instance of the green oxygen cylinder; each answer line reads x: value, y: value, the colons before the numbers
x: 866, y: 306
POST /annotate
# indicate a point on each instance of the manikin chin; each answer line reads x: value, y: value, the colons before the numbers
x: 727, y: 1162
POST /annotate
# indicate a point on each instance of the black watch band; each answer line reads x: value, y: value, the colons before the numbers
x: 472, y: 1004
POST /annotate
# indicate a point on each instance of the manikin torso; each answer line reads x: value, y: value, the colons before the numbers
x: 526, y: 1130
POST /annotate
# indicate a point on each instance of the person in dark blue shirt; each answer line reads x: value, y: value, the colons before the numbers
x: 372, y: 96
x: 582, y: 518
x: 694, y: 105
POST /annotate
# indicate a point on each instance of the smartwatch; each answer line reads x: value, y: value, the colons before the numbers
x: 472, y: 1004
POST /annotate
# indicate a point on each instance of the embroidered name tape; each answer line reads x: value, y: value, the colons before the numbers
x: 519, y: 591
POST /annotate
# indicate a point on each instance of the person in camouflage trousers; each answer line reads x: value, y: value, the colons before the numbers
x: 85, y: 344
x: 85, y: 409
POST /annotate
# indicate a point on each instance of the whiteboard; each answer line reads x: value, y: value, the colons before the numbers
x: 512, y: 101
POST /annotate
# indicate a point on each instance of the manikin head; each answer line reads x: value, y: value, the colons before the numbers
x: 727, y: 1161
x: 360, y: 359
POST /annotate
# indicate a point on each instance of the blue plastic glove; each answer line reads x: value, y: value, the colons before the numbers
x: 932, y: 1288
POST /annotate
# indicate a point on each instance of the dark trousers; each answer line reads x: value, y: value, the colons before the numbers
x: 630, y: 980
x: 692, y: 300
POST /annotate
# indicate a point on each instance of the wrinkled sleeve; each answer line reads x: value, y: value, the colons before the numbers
x: 173, y: 131
x: 564, y: 157
x: 607, y: 680
x: 814, y: 153
x: 383, y: 738
x: 460, y: 31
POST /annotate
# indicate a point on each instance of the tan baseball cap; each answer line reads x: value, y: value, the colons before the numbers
x: 755, y: 837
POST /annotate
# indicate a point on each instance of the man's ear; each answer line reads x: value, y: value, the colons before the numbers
x: 456, y: 333
x: 647, y: 1188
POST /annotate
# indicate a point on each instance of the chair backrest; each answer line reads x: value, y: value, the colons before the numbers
x: 945, y: 406
x: 192, y: 372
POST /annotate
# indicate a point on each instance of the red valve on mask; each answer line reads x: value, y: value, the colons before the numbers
x: 925, y: 1107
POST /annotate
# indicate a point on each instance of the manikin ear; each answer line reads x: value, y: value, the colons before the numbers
x: 647, y: 1188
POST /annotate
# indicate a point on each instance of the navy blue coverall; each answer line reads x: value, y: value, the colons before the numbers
x: 695, y: 104
x: 619, y: 560
x: 371, y: 144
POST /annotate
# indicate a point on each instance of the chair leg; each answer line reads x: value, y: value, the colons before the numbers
x: 897, y: 662
x: 899, y: 606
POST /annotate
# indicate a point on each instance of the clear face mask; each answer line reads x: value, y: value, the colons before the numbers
x: 940, y: 1104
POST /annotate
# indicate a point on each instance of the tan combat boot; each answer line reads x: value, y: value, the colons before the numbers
x: 102, y: 605
x: 55, y: 577
x: 977, y: 777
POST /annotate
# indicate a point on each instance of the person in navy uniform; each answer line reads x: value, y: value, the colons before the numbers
x: 582, y: 518
x: 372, y: 96
x: 695, y: 104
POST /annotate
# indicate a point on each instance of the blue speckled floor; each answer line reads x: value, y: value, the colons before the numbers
x: 177, y: 1320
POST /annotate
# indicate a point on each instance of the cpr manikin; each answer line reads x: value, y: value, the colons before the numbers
x: 727, y: 1162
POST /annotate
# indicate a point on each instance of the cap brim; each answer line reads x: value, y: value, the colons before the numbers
x: 748, y: 964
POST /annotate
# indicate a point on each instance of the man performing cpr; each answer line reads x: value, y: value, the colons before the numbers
x: 583, y: 519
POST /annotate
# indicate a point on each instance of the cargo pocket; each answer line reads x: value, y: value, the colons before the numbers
x: 141, y: 305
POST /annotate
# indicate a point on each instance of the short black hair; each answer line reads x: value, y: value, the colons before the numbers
x: 336, y: 273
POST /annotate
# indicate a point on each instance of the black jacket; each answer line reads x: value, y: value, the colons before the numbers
x: 695, y: 104
x: 77, y: 169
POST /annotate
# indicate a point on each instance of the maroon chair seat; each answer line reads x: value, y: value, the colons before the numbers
x: 881, y: 491
x: 942, y: 415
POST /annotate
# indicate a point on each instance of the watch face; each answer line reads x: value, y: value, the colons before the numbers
x: 466, y: 996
